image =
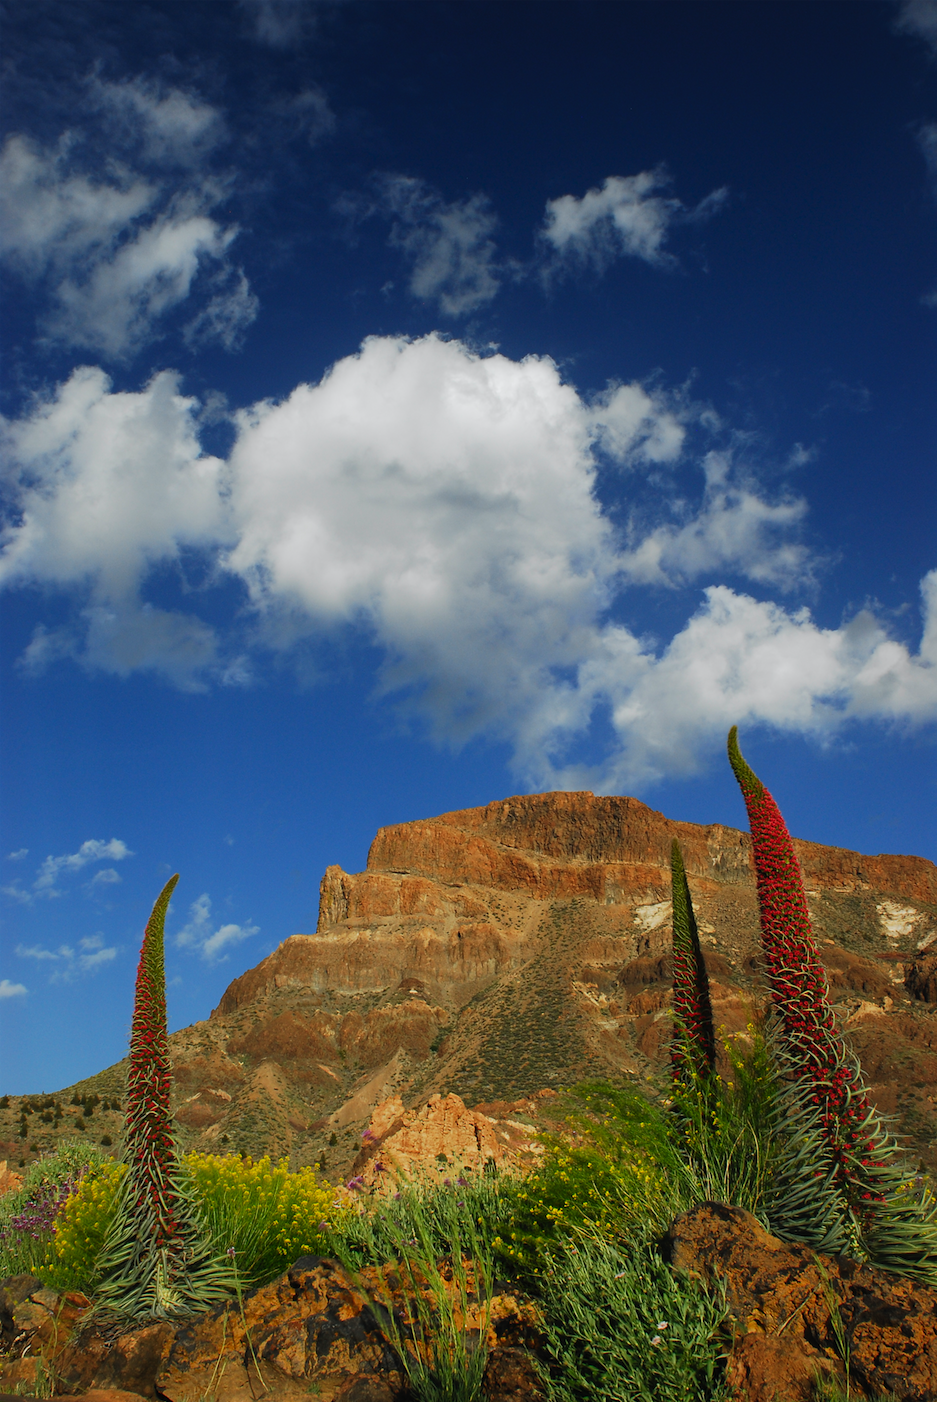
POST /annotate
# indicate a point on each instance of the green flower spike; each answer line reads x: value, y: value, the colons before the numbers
x: 693, y: 1051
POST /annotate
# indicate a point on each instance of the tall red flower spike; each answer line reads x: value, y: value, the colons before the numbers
x: 149, y: 1142
x: 156, y: 1261
x: 800, y: 996
x: 693, y: 1049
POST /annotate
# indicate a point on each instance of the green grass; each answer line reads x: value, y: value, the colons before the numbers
x: 623, y: 1326
x: 437, y: 1239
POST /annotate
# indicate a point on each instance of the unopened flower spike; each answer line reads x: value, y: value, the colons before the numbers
x: 693, y: 1052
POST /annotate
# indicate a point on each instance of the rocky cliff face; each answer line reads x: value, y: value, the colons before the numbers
x: 498, y: 951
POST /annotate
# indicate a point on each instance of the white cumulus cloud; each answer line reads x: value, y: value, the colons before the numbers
x: 628, y: 215
x: 107, y: 876
x: 742, y: 661
x: 107, y: 485
x: 12, y: 990
x: 445, y: 503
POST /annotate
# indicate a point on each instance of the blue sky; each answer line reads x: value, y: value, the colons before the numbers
x: 406, y: 405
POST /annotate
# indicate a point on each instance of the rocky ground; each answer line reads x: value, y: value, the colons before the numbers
x: 501, y: 951
x: 310, y: 1332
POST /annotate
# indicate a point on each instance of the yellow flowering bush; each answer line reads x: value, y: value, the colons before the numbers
x: 80, y: 1229
x: 613, y: 1173
x: 267, y: 1215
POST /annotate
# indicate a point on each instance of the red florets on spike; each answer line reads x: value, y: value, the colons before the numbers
x: 799, y: 988
x: 149, y: 1116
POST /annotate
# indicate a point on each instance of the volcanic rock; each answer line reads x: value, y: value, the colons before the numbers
x: 313, y: 1325
x: 795, y: 1311
x: 312, y: 1329
x: 443, y: 1138
x: 100, y: 1394
x: 9, y: 1181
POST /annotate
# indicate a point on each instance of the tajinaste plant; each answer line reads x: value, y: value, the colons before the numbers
x: 693, y: 1049
x: 156, y: 1261
x: 897, y: 1225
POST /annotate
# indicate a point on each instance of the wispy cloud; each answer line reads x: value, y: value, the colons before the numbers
x: 172, y: 127
x: 449, y: 246
x: 628, y: 216
x: 18, y: 856
x: 734, y: 527
x: 919, y: 18
x: 47, y: 875
x: 68, y: 964
x: 118, y: 230
x: 12, y: 990
x: 308, y: 113
x: 94, y: 850
x: 281, y: 24
x: 198, y: 934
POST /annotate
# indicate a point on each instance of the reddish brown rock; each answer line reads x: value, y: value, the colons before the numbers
x: 368, y: 1387
x: 511, y: 1376
x: 921, y: 978
x: 779, y: 1290
x: 310, y: 1326
x: 50, y: 1334
x: 766, y: 1368
x: 9, y: 1181
x: 101, y: 1394
x: 128, y: 1361
x: 442, y: 1139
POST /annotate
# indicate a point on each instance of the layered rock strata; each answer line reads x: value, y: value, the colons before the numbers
x: 497, y: 951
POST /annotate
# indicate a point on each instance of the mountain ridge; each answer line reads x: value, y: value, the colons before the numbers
x: 498, y: 951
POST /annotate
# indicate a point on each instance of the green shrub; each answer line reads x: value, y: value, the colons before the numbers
x: 623, y: 1326
x: 437, y: 1238
x: 29, y: 1215
x: 722, y: 1130
x: 81, y: 1230
x: 267, y: 1215
x: 616, y: 1171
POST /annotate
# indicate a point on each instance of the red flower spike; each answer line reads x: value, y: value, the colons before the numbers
x: 156, y: 1261
x: 798, y: 982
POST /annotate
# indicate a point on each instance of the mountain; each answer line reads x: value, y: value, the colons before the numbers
x: 500, y: 951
